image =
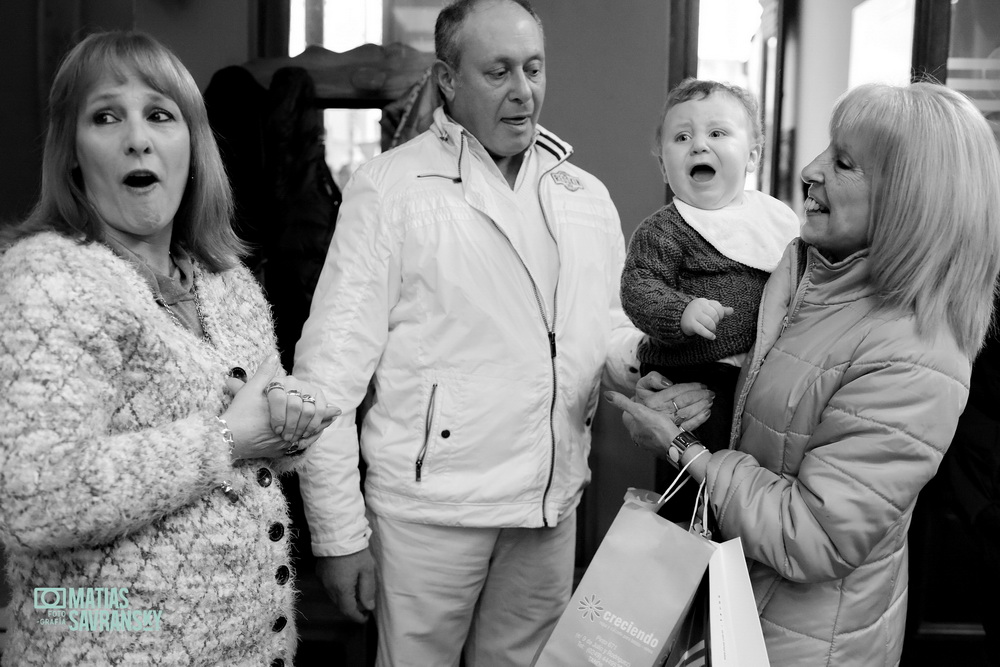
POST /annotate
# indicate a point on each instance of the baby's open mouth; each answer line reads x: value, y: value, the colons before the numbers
x: 702, y: 173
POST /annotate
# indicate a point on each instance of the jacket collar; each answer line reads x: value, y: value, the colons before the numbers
x: 846, y: 280
x: 450, y: 132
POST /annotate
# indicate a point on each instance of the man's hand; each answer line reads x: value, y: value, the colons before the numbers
x: 702, y: 316
x: 350, y: 583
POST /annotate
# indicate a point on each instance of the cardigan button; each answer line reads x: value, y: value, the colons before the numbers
x: 238, y: 373
x: 446, y: 433
x: 276, y: 531
x: 279, y: 624
x: 281, y: 576
x: 277, y: 662
x: 588, y: 421
x: 264, y: 477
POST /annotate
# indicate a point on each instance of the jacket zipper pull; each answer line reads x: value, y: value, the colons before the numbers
x: 552, y: 343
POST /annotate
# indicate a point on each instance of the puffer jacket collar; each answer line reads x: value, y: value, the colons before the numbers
x: 837, y: 282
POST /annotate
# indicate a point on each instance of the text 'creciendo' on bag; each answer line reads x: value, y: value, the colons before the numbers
x: 645, y: 599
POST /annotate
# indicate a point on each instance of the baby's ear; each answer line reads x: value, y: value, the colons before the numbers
x: 663, y: 167
x: 754, y: 160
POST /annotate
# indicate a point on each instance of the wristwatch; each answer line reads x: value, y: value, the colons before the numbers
x: 679, y: 445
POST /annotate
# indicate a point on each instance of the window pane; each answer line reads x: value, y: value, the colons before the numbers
x: 974, y: 55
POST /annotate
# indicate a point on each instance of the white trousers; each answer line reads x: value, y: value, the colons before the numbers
x: 493, y: 594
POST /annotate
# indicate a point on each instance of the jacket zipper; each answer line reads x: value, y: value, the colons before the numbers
x: 551, y: 333
x: 427, y: 431
x: 550, y: 330
x: 552, y: 349
x: 757, y: 359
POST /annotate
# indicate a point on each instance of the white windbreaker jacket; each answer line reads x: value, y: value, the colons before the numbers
x: 481, y: 403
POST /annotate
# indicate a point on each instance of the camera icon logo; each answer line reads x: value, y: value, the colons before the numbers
x: 50, y: 598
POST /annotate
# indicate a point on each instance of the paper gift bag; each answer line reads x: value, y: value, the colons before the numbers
x: 635, y: 593
x: 735, y: 637
x: 722, y: 628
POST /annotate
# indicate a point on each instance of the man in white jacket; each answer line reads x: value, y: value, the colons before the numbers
x: 472, y: 283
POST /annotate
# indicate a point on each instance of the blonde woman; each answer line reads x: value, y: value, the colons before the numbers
x: 859, y: 372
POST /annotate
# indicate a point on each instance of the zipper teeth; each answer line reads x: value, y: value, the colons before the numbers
x: 757, y: 364
x: 427, y: 431
x: 552, y: 334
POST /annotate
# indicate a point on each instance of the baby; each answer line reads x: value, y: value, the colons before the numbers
x: 696, y: 268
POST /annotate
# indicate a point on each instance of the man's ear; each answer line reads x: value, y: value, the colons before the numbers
x: 445, y: 78
x: 754, y: 160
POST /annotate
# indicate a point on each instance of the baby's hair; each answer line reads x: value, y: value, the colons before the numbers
x: 699, y: 89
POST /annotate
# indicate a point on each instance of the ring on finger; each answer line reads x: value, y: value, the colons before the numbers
x: 674, y: 403
x: 274, y: 384
x: 293, y: 392
x: 307, y: 398
x: 291, y: 449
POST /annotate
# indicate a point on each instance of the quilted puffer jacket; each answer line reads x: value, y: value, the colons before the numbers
x: 842, y: 416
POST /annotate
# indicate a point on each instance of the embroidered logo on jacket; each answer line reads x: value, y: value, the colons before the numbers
x: 571, y: 183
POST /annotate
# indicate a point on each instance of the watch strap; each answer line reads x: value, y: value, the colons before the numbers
x: 679, y: 445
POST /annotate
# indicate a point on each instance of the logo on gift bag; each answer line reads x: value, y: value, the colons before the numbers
x: 591, y: 607
x: 571, y: 183
x: 592, y: 610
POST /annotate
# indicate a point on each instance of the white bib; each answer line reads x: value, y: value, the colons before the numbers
x: 753, y: 233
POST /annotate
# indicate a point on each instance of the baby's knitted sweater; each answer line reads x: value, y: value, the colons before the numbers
x: 669, y: 265
x: 110, y: 460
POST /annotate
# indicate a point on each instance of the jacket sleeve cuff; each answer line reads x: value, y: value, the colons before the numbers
x: 621, y: 368
x: 330, y: 483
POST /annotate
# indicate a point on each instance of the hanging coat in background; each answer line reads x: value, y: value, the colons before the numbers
x: 286, y: 198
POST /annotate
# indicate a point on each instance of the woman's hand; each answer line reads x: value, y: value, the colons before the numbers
x: 659, y: 409
x: 272, y: 417
x: 689, y: 403
x: 654, y: 429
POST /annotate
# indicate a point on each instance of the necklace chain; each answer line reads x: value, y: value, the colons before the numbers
x: 198, y: 310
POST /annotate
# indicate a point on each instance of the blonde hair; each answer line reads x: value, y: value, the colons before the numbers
x: 202, y: 223
x: 934, y: 225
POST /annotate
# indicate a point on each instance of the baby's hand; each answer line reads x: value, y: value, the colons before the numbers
x: 701, y: 317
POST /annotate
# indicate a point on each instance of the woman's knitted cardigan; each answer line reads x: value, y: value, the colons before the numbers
x: 110, y: 463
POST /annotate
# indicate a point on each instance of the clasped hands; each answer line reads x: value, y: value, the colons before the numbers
x: 273, y: 416
x: 659, y: 409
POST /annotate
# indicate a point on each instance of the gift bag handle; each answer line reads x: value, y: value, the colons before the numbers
x: 701, y: 501
x: 678, y: 482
